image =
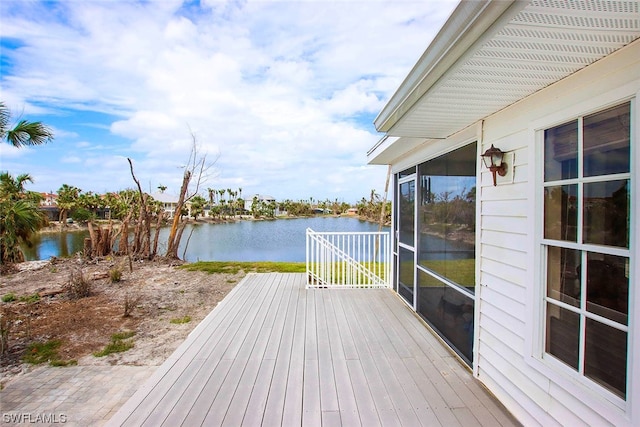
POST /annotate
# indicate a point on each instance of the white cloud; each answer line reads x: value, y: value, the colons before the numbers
x: 274, y: 88
x: 8, y: 151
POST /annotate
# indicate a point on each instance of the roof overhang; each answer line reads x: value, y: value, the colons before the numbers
x: 491, y: 54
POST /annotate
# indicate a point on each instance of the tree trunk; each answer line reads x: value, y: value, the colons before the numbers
x: 104, y: 244
x: 174, y: 237
x: 94, y: 240
x: 86, y: 250
x: 154, y: 251
x: 142, y: 236
x: 123, y: 232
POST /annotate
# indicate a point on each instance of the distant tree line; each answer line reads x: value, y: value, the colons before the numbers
x: 372, y: 208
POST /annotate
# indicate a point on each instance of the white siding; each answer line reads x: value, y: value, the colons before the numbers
x: 508, y: 247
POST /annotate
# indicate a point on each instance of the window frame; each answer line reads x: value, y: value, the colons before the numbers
x: 555, y: 371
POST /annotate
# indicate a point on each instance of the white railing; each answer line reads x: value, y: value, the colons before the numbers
x: 348, y: 260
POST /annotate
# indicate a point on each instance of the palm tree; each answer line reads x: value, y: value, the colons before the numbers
x: 24, y: 132
x: 67, y: 201
x: 20, y: 217
x: 197, y: 206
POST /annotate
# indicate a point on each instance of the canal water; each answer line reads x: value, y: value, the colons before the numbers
x: 273, y: 240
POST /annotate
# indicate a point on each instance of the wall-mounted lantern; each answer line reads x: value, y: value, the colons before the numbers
x: 492, y: 159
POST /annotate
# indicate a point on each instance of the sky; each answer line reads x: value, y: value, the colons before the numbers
x: 280, y: 96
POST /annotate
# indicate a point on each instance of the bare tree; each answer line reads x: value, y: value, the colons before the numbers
x: 142, y: 232
x: 195, y: 175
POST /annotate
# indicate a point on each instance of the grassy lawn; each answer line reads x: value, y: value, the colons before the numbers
x: 233, y: 267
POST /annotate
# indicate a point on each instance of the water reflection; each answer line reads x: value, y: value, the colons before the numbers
x: 58, y: 244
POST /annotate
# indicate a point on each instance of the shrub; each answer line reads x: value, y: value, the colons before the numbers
x: 130, y: 302
x: 78, y: 286
x: 115, y: 274
x: 180, y: 320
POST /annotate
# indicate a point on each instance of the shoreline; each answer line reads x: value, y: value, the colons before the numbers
x: 56, y: 227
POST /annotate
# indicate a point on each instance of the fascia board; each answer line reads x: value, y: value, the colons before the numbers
x: 466, y: 25
x: 391, y: 148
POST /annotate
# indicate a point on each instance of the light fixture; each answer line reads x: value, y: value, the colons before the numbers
x: 492, y: 159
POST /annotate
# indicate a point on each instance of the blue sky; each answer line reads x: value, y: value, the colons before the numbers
x: 280, y: 95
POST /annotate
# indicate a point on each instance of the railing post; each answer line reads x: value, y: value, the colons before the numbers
x: 307, y: 256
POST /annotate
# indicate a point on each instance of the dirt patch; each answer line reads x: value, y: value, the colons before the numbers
x: 39, y: 308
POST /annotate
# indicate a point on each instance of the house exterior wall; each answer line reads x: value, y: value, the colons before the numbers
x: 510, y: 284
x: 507, y: 346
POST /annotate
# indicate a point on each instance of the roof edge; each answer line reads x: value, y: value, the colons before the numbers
x: 467, y: 24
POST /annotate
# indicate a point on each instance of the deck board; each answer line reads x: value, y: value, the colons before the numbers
x: 274, y: 353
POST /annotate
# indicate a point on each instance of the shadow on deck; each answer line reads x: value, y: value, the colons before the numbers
x: 274, y: 353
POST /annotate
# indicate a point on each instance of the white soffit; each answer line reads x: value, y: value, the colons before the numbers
x: 543, y: 43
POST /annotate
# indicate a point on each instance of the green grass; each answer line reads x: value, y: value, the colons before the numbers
x: 120, y: 342
x: 10, y: 297
x: 122, y: 335
x: 114, y: 347
x: 180, y: 320
x: 30, y: 298
x: 233, y: 267
x: 43, y: 352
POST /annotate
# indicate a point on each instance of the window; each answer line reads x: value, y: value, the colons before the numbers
x: 586, y: 245
x: 446, y: 246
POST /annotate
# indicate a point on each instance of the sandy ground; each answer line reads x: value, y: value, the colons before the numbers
x: 160, y: 293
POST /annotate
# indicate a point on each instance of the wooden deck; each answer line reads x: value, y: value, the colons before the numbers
x: 273, y: 353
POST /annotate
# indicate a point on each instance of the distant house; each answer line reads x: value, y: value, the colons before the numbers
x: 169, y: 203
x: 49, y: 206
x: 532, y: 279
x: 49, y: 199
x: 248, y: 203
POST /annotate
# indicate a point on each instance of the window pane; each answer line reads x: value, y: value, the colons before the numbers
x: 405, y: 173
x: 447, y: 215
x: 563, y: 275
x: 608, y: 286
x: 605, y: 359
x: 406, y: 215
x: 606, y: 213
x: 560, y: 212
x: 561, y: 152
x: 406, y: 270
x: 448, y: 311
x: 563, y: 327
x: 606, y: 141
